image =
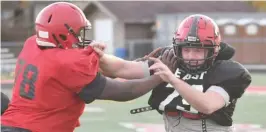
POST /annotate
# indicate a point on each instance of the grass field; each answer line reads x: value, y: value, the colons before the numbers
x: 109, y: 116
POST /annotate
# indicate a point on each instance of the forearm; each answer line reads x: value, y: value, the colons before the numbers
x: 143, y: 87
x: 110, y: 64
x: 194, y: 97
x: 117, y: 67
x: 129, y: 89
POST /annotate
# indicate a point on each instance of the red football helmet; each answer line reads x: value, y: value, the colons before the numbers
x: 197, y: 31
x: 62, y: 25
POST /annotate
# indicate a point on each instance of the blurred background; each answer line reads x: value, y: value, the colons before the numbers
x: 132, y: 29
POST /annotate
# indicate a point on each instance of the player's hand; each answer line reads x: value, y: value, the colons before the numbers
x: 161, y: 70
x: 99, y: 47
x: 168, y: 58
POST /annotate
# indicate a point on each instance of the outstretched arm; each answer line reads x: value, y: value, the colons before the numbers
x: 110, y: 89
x: 128, y: 89
x: 117, y: 67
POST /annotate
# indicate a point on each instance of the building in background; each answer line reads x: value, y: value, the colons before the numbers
x: 135, y: 24
x: 244, y: 31
x: 134, y: 28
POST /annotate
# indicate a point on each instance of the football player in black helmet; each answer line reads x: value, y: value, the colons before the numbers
x: 201, y: 82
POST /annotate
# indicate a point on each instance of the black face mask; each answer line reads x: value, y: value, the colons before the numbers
x: 226, y: 52
x: 194, y: 66
x: 189, y: 65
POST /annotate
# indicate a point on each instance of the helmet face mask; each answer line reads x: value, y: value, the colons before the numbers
x: 81, y: 36
x: 200, y: 33
x: 195, y: 66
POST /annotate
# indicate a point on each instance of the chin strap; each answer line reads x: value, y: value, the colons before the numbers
x: 142, y: 109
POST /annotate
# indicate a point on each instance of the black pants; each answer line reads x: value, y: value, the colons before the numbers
x: 4, y: 102
x: 13, y: 129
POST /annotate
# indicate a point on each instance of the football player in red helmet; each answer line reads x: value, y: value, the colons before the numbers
x: 200, y: 89
x: 68, y: 32
x: 196, y: 43
x: 56, y: 75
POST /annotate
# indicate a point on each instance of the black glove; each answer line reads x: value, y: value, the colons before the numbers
x: 168, y: 58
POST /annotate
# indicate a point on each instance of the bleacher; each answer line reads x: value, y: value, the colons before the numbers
x: 8, y: 61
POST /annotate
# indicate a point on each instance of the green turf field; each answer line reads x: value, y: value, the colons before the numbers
x: 107, y: 116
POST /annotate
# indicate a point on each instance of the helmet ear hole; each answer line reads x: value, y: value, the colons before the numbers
x: 63, y: 37
x: 50, y: 18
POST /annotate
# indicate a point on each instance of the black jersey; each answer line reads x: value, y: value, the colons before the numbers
x: 228, y: 74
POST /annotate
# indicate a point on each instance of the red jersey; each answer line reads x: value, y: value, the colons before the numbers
x: 46, y: 85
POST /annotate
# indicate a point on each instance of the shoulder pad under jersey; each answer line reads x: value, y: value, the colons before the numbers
x: 230, y: 75
x: 226, y: 52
